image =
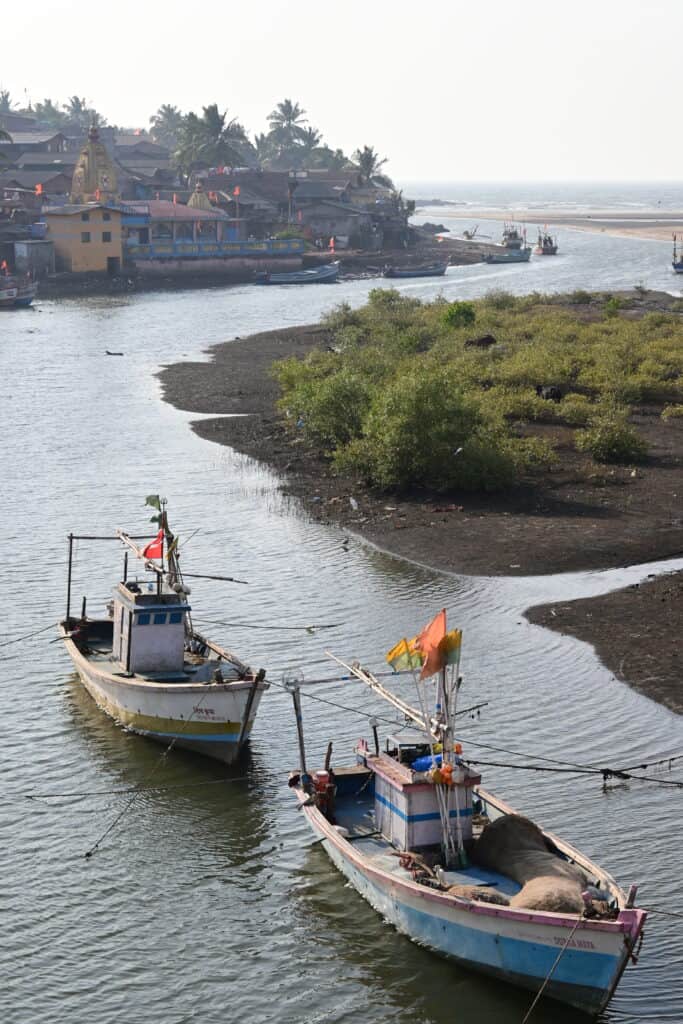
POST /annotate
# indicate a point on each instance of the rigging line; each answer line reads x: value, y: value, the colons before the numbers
x: 614, y: 773
x: 269, y: 626
x: 27, y: 636
x: 93, y: 849
x: 552, y: 969
x: 132, y: 789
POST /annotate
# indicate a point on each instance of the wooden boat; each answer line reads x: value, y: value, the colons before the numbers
x: 676, y: 263
x: 325, y: 274
x: 413, y: 831
x: 147, y: 667
x: 508, y: 255
x: 433, y: 270
x: 16, y: 292
x: 546, y: 244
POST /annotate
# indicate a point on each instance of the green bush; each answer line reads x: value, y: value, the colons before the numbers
x: 612, y: 306
x: 498, y: 298
x: 609, y: 438
x: 459, y: 314
x: 580, y: 297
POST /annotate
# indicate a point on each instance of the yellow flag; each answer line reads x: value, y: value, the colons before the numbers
x: 450, y: 646
x: 405, y: 655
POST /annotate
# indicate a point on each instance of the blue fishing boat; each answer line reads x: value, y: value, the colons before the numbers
x: 325, y: 274
x: 433, y: 270
x: 455, y: 868
x: 676, y: 263
x: 513, y: 248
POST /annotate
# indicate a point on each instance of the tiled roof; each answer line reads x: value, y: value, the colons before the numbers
x: 33, y: 138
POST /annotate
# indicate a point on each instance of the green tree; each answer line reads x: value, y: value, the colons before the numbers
x: 167, y: 125
x: 211, y: 140
x: 5, y: 101
x: 369, y: 165
x: 49, y: 113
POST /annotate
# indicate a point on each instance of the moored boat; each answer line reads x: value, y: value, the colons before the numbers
x: 452, y: 866
x: 325, y: 274
x: 148, y: 668
x: 546, y: 244
x: 16, y: 292
x: 676, y: 263
x: 431, y: 270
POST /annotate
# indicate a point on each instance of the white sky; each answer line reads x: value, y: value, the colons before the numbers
x: 507, y: 90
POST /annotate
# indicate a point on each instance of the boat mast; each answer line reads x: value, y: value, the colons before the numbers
x: 68, y: 578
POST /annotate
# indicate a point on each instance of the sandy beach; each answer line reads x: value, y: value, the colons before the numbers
x: 653, y: 224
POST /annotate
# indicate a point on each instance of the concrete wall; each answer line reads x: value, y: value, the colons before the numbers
x: 34, y: 257
x: 72, y: 252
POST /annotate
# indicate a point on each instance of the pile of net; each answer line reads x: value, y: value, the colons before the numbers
x: 514, y: 846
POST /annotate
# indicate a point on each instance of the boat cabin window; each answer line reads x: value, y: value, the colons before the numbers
x: 175, y: 617
x: 160, y: 619
x: 143, y: 619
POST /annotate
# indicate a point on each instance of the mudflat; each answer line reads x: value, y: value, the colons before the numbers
x: 578, y: 516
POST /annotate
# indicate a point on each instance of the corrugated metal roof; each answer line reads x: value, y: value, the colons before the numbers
x: 163, y: 209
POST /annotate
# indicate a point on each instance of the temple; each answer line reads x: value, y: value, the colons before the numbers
x: 94, y: 177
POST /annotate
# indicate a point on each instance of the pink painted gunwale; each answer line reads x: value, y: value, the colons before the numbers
x: 629, y: 921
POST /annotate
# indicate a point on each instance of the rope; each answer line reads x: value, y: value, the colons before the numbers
x: 131, y: 789
x: 552, y: 970
x: 607, y: 773
x: 28, y: 636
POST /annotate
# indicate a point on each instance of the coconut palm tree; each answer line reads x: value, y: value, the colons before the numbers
x: 5, y: 101
x: 264, y: 150
x: 50, y: 113
x: 286, y: 125
x: 166, y: 125
x: 210, y: 140
x: 369, y: 165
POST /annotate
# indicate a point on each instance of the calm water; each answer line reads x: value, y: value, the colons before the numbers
x: 209, y: 903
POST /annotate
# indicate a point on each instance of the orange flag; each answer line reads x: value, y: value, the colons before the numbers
x: 429, y: 642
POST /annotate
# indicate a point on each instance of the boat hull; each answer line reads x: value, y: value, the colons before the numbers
x: 515, y: 946
x: 327, y: 274
x: 211, y: 719
x: 514, y: 256
x: 437, y: 271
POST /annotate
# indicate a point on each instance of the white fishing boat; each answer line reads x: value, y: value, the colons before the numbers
x: 147, y: 667
x: 455, y: 868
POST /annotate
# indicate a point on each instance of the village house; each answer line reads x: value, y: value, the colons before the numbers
x: 87, y: 237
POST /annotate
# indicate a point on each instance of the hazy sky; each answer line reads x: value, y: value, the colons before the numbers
x: 494, y: 89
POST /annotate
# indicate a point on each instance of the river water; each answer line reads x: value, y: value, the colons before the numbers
x: 208, y: 902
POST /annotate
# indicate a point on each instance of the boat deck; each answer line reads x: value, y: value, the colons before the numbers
x: 356, y: 815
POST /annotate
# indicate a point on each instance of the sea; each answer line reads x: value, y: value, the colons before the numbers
x: 207, y: 899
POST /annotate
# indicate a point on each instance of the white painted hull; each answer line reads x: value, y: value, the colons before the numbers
x: 206, y: 718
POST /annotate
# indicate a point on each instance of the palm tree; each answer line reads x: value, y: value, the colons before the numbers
x: 286, y: 125
x: 369, y: 165
x: 264, y: 150
x: 76, y: 110
x: 209, y: 140
x: 166, y: 125
x: 48, y: 112
x: 5, y: 101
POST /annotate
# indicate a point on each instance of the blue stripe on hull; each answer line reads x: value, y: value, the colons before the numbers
x: 581, y: 978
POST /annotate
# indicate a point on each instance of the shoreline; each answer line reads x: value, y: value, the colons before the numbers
x: 654, y: 225
x: 566, y: 522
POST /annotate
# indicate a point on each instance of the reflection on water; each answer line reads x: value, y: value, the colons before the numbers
x: 203, y: 903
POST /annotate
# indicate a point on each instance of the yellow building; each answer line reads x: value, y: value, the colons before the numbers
x: 94, y: 177
x: 87, y: 238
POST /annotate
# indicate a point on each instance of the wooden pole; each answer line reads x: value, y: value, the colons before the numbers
x: 296, y: 700
x: 68, y: 579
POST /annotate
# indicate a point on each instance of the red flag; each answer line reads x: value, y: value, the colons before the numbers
x: 39, y: 189
x: 155, y: 548
x: 428, y: 642
x: 236, y: 191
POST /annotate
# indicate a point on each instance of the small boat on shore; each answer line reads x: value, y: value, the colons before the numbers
x: 431, y: 270
x: 147, y: 667
x: 325, y: 274
x: 546, y: 244
x: 452, y: 866
x: 676, y: 263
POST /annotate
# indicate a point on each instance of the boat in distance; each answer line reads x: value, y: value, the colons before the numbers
x: 455, y: 868
x: 508, y: 256
x: 146, y: 666
x: 432, y: 270
x: 325, y: 274
x: 546, y: 244
x: 16, y: 292
x: 676, y: 263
